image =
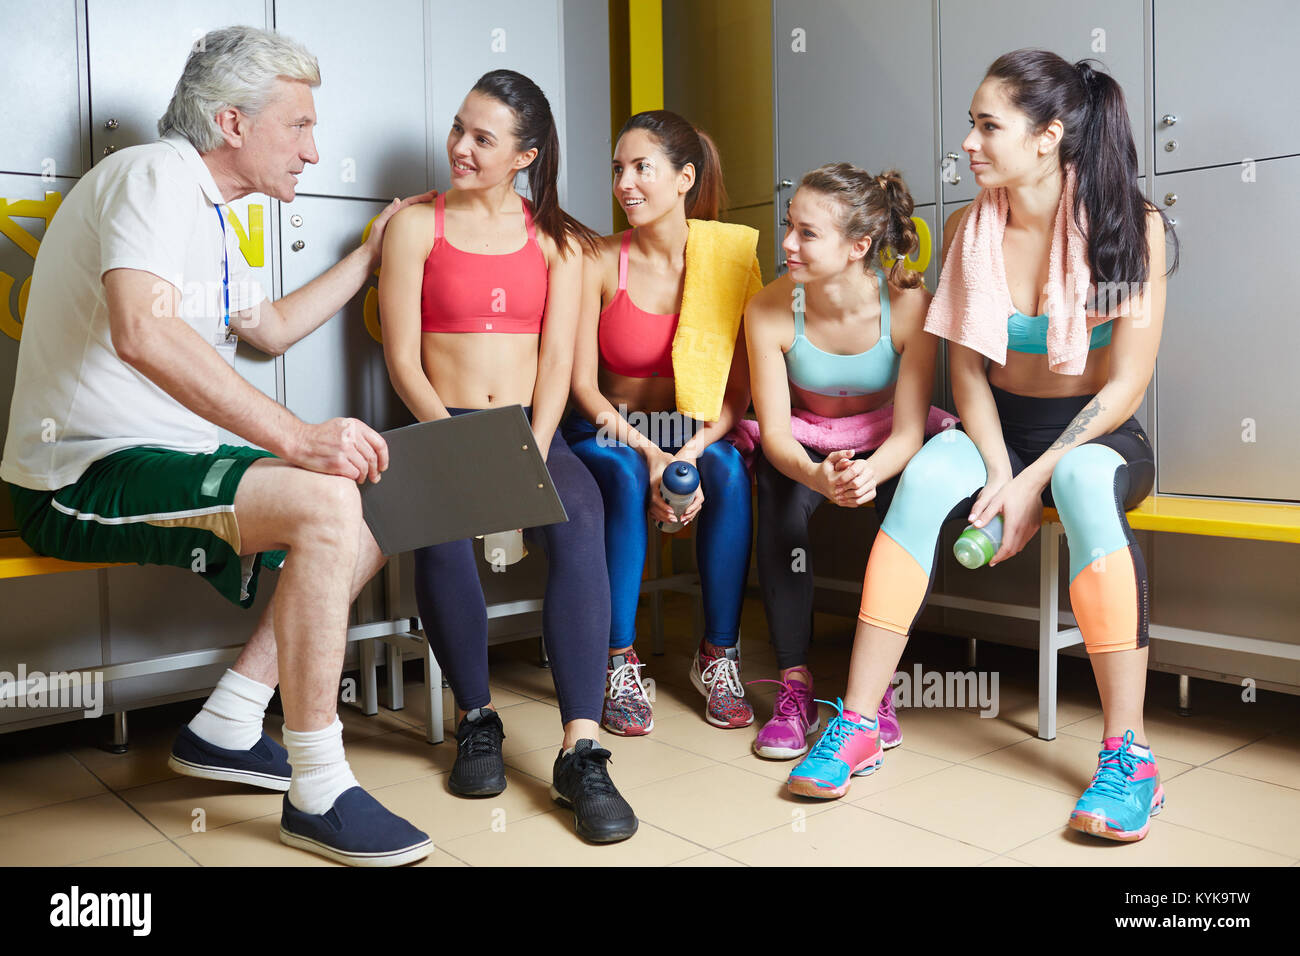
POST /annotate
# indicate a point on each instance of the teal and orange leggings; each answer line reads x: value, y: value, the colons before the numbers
x: 1092, y: 486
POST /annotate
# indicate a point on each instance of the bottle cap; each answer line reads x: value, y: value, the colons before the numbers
x: 973, y: 549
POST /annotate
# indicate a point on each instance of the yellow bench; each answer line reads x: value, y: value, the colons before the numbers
x: 19, y: 561
x: 1246, y: 520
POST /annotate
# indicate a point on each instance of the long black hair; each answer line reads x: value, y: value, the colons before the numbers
x: 535, y: 128
x: 1098, y: 142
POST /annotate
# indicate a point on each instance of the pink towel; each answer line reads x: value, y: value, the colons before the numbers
x: 973, y: 302
x: 860, y: 432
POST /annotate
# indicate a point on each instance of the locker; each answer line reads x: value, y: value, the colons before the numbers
x: 27, y: 204
x: 1226, y: 404
x: 339, y: 369
x: 134, y: 67
x: 469, y: 40
x: 973, y: 35
x: 1225, y: 78
x: 854, y: 82
x: 43, y: 92
x: 372, y: 112
x: 584, y: 164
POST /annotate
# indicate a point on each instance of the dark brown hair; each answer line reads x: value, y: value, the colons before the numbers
x: 683, y: 143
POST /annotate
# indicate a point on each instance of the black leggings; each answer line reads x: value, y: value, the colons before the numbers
x: 575, y: 613
x: 785, y: 573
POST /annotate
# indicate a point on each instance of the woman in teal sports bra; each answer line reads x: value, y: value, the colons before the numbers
x: 838, y: 338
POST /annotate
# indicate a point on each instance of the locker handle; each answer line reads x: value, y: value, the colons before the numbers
x: 110, y: 124
x: 298, y: 245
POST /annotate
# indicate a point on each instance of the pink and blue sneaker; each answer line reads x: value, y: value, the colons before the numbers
x: 850, y: 747
x: 1124, y: 795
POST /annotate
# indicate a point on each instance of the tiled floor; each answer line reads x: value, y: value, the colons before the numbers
x: 962, y: 790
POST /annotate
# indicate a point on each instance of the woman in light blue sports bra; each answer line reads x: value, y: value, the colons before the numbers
x: 836, y: 338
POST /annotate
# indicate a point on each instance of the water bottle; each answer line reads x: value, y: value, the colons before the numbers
x: 677, y: 487
x: 504, y: 548
x: 975, y: 547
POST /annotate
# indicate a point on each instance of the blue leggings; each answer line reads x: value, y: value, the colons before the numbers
x: 575, y: 612
x: 722, y: 541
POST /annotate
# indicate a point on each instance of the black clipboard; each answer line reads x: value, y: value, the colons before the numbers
x: 458, y: 477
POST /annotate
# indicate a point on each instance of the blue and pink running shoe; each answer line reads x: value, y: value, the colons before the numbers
x: 1124, y: 795
x: 850, y: 747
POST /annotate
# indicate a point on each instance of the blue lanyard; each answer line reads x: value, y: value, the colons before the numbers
x: 225, y: 266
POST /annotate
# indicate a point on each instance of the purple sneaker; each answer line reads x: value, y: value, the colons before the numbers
x: 794, y: 717
x: 891, y: 735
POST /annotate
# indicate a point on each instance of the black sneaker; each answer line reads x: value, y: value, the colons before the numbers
x: 581, y: 783
x: 479, y: 770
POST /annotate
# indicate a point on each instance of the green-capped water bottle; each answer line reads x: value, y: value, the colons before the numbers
x: 975, y: 547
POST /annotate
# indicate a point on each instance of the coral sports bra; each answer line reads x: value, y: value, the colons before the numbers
x: 482, y: 292
x: 634, y: 342
x: 829, y: 373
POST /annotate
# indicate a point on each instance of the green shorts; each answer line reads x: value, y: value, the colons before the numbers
x: 151, y: 506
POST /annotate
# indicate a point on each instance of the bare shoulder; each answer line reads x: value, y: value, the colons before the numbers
x: 411, y: 226
x: 907, y: 308
x: 772, y: 300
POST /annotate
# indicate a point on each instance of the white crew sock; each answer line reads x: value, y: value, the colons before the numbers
x: 320, y: 770
x: 231, y: 717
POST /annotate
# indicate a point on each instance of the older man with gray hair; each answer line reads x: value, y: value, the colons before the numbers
x: 125, y: 374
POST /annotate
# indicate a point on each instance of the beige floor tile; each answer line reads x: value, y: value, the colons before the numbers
x: 1195, y: 740
x: 637, y: 761
x: 144, y: 762
x: 689, y: 805
x: 38, y: 780
x: 415, y: 711
x: 846, y: 835
x: 1274, y: 759
x: 708, y: 859
x: 1003, y: 861
x: 386, y: 759
x: 521, y: 676
x: 956, y: 735
x: 1167, y: 844
x: 429, y: 805
x: 1065, y: 764
x: 975, y: 807
x: 1236, y: 808
x: 440, y: 857
x: 173, y: 805
x: 548, y: 840
x: 693, y: 733
x: 156, y: 854
x: 72, y: 831
x: 530, y: 726
x: 251, y: 843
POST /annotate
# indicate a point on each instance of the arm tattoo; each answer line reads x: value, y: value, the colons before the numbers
x: 1076, y: 427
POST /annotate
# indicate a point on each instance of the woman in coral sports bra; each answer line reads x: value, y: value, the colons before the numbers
x: 628, y: 426
x: 479, y: 296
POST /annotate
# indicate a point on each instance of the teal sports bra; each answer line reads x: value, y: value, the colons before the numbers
x: 1028, y: 334
x: 828, y: 373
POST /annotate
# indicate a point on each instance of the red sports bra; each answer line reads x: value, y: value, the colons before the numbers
x: 482, y: 292
x: 634, y: 342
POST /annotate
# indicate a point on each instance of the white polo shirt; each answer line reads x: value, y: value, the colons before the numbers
x: 75, y: 401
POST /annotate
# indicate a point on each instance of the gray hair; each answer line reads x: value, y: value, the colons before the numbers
x: 235, y: 66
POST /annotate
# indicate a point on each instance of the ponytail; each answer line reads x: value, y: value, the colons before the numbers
x: 535, y: 129
x: 683, y: 143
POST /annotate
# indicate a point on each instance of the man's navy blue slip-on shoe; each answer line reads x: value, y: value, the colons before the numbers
x: 265, y: 764
x: 357, y: 830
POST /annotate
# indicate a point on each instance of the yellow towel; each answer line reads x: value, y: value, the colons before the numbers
x: 721, y: 274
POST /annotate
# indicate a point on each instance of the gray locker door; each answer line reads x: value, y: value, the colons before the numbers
x: 1226, y: 404
x: 585, y: 139
x: 27, y: 203
x: 339, y: 369
x: 42, y: 91
x: 471, y: 39
x: 252, y: 218
x: 854, y: 82
x: 973, y: 35
x: 137, y: 52
x: 371, y: 106
x: 1221, y: 70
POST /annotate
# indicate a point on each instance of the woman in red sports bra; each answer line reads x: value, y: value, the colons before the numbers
x: 479, y: 297
x: 665, y: 170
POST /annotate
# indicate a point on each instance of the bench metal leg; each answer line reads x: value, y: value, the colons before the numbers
x: 1048, y: 613
x: 1184, y: 696
x: 396, y: 690
x: 433, y: 731
x: 970, y: 652
x: 543, y: 659
x: 368, y: 678
x: 118, y: 745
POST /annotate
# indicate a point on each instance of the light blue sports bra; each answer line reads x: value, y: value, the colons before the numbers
x: 1028, y: 333
x: 828, y: 373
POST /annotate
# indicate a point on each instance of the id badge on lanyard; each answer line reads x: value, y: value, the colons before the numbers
x: 225, y: 340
